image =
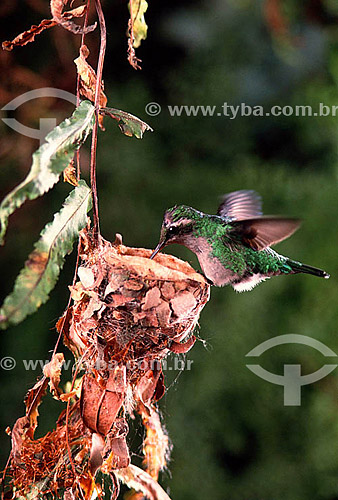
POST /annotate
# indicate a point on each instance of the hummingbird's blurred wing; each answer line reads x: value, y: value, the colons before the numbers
x: 240, y: 205
x: 264, y: 231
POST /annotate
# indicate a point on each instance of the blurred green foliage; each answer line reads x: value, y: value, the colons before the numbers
x: 233, y: 438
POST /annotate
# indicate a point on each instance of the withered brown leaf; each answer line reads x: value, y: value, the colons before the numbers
x: 52, y: 370
x: 63, y: 19
x: 32, y: 401
x: 69, y: 174
x: 137, y: 29
x: 88, y: 80
x: 100, y: 403
x: 139, y: 480
x: 29, y: 35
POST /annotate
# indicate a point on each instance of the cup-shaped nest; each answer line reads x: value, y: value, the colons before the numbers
x: 130, y: 309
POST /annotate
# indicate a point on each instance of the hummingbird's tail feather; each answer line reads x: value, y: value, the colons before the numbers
x: 297, y: 267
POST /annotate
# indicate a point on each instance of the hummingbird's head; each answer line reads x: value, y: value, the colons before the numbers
x: 177, y: 226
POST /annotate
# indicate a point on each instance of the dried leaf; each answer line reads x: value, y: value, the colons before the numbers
x: 145, y: 390
x: 152, y: 299
x: 129, y: 124
x: 96, y: 450
x: 69, y: 174
x: 56, y: 7
x: 32, y: 401
x: 137, y: 29
x: 163, y: 313
x: 18, y: 434
x: 114, y: 284
x: 49, y: 161
x: 43, y: 266
x: 86, y: 276
x: 88, y: 80
x: 116, y: 453
x: 183, y: 303
x: 182, y: 347
x: 29, y: 35
x: 139, y: 480
x: 100, y: 405
x: 52, y: 370
x: 72, y: 390
x: 77, y: 291
x: 133, y: 285
x: 25, y: 426
x: 77, y: 12
x: 117, y: 300
x: 137, y: 9
x: 168, y: 291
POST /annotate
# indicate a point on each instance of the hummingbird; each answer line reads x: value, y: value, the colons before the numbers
x: 233, y: 247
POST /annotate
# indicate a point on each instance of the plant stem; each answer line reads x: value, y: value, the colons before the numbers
x: 78, y: 168
x: 96, y: 224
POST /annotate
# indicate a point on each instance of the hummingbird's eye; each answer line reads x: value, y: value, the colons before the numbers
x: 171, y: 231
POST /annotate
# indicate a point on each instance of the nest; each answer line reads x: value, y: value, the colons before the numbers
x: 128, y: 313
x: 130, y: 308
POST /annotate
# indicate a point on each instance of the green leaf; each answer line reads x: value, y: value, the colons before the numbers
x: 129, y: 124
x: 49, y: 161
x: 42, y: 269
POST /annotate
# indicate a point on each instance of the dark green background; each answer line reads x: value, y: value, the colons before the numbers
x: 233, y: 438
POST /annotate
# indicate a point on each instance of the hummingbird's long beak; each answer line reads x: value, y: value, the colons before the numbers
x: 157, y: 249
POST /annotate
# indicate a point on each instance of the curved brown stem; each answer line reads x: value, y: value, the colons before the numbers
x: 85, y: 24
x: 96, y: 223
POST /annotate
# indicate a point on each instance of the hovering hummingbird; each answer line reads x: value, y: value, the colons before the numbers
x: 233, y: 247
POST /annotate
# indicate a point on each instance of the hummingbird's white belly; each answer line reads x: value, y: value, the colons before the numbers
x: 249, y: 283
